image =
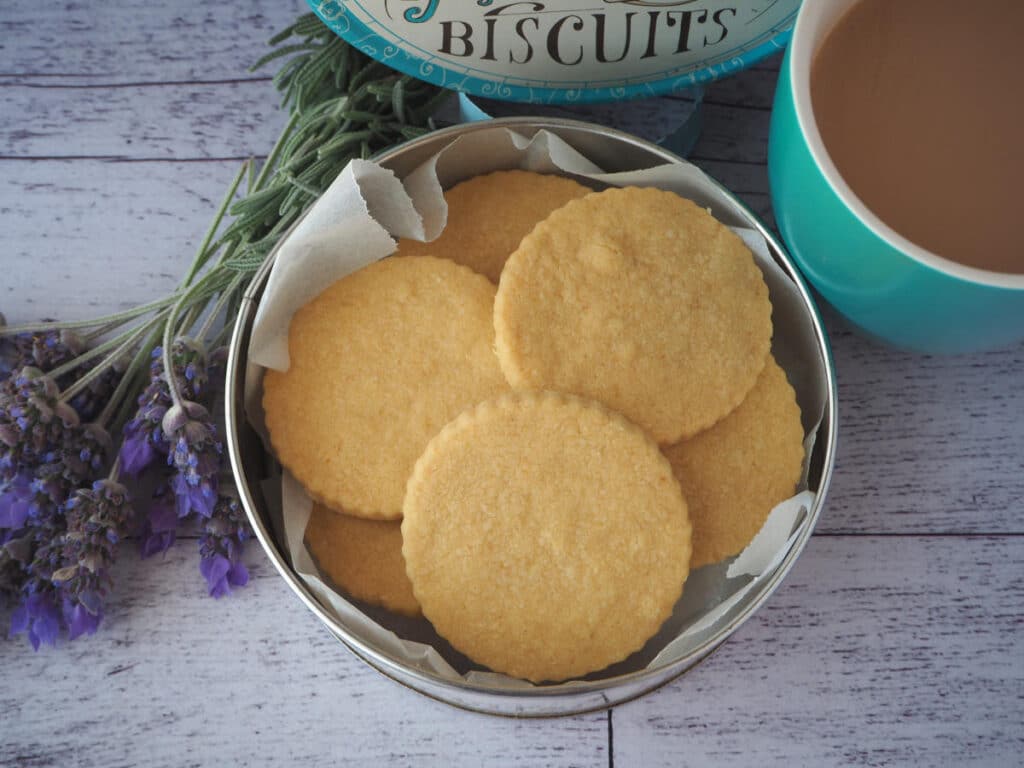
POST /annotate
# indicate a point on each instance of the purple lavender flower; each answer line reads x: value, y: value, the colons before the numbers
x: 97, y: 519
x: 160, y: 524
x: 196, y: 455
x: 39, y: 616
x: 38, y: 612
x: 78, y: 619
x: 15, y: 501
x: 220, y: 546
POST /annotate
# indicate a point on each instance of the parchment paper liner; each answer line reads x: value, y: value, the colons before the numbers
x: 352, y: 224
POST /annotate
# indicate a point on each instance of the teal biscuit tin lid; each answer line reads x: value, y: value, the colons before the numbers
x: 566, y: 51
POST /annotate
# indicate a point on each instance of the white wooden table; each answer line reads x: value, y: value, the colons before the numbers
x: 897, y: 639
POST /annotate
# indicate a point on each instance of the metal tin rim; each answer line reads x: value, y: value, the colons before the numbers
x: 463, y: 693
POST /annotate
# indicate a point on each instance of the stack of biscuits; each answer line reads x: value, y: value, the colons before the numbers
x: 531, y: 429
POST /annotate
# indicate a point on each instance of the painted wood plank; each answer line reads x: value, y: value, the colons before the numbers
x: 235, y: 119
x: 87, y: 237
x: 132, y: 41
x: 175, y: 678
x: 194, y: 121
x: 875, y: 651
x: 927, y: 443
x: 733, y: 133
x: 752, y: 88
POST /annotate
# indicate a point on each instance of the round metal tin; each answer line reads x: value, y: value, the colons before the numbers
x: 571, y: 51
x: 251, y: 464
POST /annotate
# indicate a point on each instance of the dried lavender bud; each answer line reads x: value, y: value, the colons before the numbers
x: 196, y: 455
x: 38, y: 613
x: 34, y: 423
x: 188, y: 360
x: 86, y: 452
x: 97, y: 519
x: 220, y: 546
x: 44, y: 350
x: 90, y: 402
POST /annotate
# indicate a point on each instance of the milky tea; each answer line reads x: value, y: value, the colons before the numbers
x: 920, y: 105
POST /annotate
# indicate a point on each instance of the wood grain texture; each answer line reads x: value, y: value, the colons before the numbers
x: 194, y: 121
x: 876, y: 651
x: 86, y: 237
x: 133, y: 41
x: 175, y: 678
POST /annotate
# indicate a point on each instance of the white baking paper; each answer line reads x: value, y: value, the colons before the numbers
x: 354, y: 223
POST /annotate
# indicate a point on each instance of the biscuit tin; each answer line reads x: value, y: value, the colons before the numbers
x: 253, y: 466
x: 570, y: 51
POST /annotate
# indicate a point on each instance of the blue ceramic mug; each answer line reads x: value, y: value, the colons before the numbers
x: 881, y: 282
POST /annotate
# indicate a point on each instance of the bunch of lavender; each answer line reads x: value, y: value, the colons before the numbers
x: 151, y: 375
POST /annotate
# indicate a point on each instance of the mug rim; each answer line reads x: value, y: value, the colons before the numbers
x: 808, y: 34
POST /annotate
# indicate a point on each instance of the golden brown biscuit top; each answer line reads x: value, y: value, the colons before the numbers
x: 380, y: 361
x: 640, y: 299
x: 545, y: 536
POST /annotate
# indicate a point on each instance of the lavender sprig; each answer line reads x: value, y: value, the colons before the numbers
x: 196, y: 455
x: 137, y: 375
x: 144, y: 437
x: 97, y: 520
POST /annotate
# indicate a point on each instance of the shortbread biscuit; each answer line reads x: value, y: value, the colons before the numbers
x: 488, y: 216
x: 380, y: 361
x: 735, y: 473
x: 545, y: 536
x: 362, y: 558
x: 640, y: 299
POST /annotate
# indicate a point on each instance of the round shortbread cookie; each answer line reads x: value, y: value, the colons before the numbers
x: 488, y: 215
x: 734, y: 473
x: 545, y: 536
x: 380, y: 361
x: 640, y: 299
x: 362, y: 558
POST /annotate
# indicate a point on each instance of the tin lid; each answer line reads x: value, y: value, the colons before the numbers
x: 570, y: 51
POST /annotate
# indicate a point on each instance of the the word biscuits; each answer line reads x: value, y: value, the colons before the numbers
x: 380, y: 361
x: 735, y: 473
x: 362, y: 558
x: 640, y: 299
x: 488, y: 216
x: 545, y: 536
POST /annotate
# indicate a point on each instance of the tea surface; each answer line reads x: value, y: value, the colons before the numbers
x: 920, y: 104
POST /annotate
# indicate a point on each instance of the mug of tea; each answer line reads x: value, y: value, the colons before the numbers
x: 896, y: 164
